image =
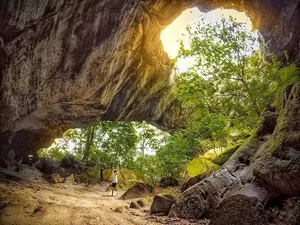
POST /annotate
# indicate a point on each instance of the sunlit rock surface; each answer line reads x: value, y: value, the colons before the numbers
x: 67, y: 63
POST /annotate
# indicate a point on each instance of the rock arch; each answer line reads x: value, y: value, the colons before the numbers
x: 64, y: 64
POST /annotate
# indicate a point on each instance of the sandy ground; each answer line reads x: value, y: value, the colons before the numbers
x: 25, y: 198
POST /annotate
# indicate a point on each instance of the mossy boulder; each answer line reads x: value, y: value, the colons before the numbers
x: 199, y: 165
x: 223, y: 157
x: 191, y: 181
x: 134, y: 205
x: 138, y: 190
x: 162, y: 204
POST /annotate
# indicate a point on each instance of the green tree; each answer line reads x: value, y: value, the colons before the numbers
x: 148, y: 137
x: 173, y: 157
x: 229, y: 84
x: 108, y: 144
x: 89, y: 141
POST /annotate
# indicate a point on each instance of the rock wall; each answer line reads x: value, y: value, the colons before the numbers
x: 67, y: 63
x: 259, y: 184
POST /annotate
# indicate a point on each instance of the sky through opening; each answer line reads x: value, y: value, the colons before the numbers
x: 177, y: 30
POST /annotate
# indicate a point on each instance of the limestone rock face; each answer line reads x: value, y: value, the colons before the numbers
x: 279, y: 166
x: 67, y: 63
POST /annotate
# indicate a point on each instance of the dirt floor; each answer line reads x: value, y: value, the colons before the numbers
x: 25, y: 198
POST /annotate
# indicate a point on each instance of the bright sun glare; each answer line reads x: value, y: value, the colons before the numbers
x: 177, y: 30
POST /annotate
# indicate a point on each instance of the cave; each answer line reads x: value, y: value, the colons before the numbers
x: 66, y: 64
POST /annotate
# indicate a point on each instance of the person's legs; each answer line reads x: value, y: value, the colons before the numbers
x: 113, y: 188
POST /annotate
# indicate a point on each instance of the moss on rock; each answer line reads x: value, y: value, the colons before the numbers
x: 223, y: 157
x: 199, y: 165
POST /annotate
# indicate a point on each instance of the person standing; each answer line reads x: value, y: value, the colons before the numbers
x: 114, y: 182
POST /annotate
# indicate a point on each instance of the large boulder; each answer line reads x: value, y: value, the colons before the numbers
x: 200, y: 165
x: 285, y: 211
x: 191, y: 181
x: 138, y: 190
x: 47, y: 166
x: 204, y: 197
x: 241, y: 209
x: 68, y: 161
x: 224, y: 156
x: 162, y: 204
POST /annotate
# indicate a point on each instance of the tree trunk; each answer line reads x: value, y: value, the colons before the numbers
x: 89, y: 141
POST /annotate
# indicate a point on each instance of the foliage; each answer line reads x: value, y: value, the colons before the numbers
x: 149, y: 168
x: 174, y: 156
x: 200, y: 165
x: 224, y: 156
x: 149, y: 138
x: 229, y: 84
x: 108, y: 144
x: 227, y: 88
x: 113, y: 145
x: 54, y: 152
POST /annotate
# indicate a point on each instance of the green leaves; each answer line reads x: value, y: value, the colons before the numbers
x: 229, y: 84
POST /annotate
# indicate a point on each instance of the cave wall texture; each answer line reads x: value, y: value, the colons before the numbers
x: 67, y: 63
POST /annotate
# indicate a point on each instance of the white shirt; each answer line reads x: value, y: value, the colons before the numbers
x: 115, y: 178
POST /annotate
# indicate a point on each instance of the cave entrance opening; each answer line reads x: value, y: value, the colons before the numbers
x: 130, y: 144
x: 177, y: 30
x: 221, y: 76
x: 136, y: 148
